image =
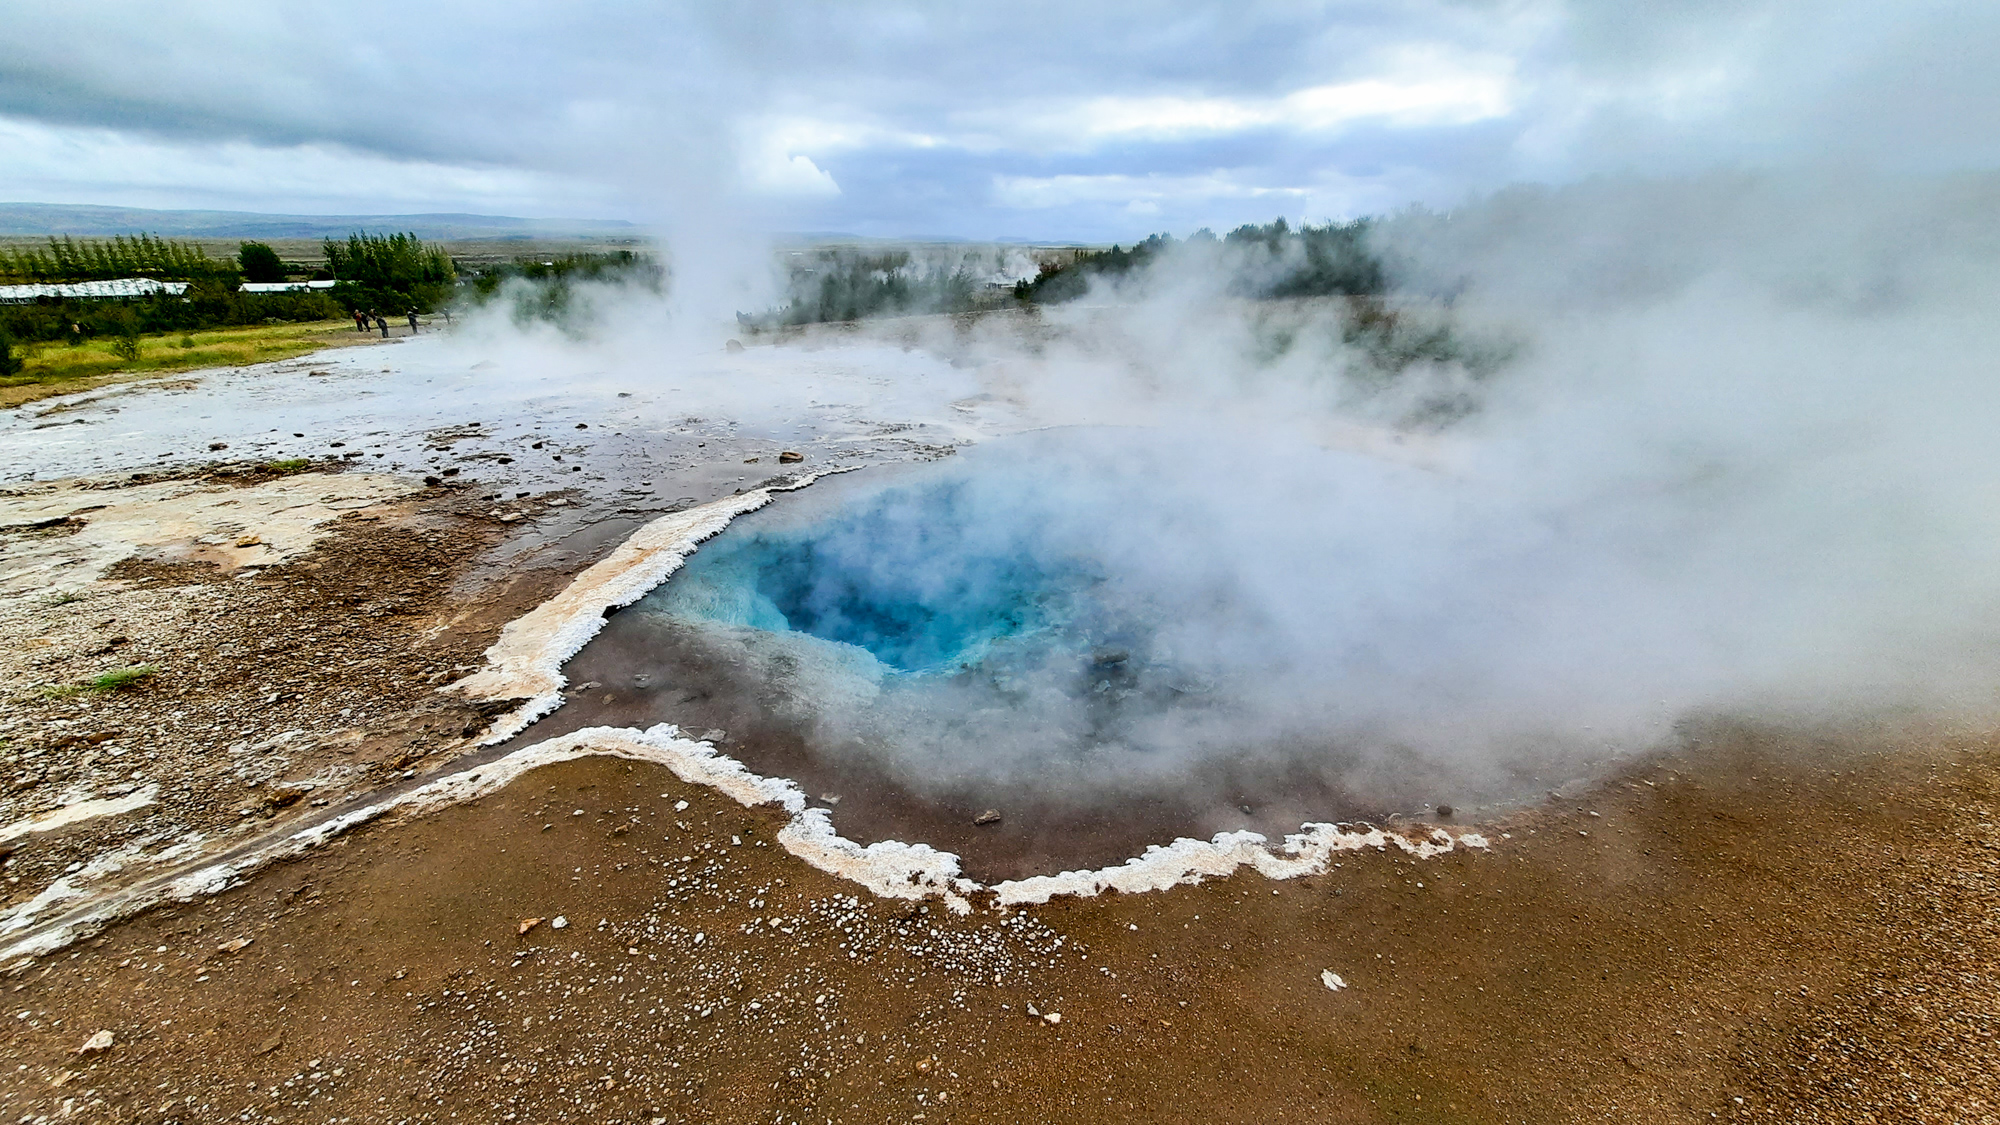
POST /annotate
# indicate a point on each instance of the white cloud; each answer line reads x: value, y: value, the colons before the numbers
x: 1041, y: 192
x: 1444, y: 101
x: 75, y: 164
x: 776, y: 173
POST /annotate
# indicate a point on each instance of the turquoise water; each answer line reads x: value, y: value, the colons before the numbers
x: 908, y: 575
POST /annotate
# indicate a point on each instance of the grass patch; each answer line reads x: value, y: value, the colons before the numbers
x: 117, y: 679
x: 55, y: 368
x: 290, y: 465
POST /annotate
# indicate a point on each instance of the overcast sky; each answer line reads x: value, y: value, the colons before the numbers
x: 1074, y: 120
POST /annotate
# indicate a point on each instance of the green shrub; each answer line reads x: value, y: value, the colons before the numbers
x: 117, y: 679
x: 260, y: 262
x: 10, y: 364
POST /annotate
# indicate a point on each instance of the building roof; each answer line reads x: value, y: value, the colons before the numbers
x: 90, y: 290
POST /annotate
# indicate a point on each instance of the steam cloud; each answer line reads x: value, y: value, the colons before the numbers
x: 1735, y: 459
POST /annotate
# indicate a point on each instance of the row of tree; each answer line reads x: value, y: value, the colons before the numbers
x: 555, y: 290
x: 844, y: 283
x: 389, y: 273
x: 98, y: 259
x: 1263, y: 261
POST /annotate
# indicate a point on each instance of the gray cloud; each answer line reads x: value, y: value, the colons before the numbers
x: 1055, y: 120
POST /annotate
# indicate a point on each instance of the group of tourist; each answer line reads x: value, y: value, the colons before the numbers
x: 363, y: 319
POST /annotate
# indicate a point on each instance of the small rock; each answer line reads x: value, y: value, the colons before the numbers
x: 96, y: 1044
x: 1053, y: 1017
x: 1331, y: 980
x: 433, y: 482
x: 217, y: 446
x: 1444, y: 812
x: 250, y: 541
x: 234, y: 945
x: 451, y: 472
x: 788, y: 457
x: 269, y: 1045
x: 583, y: 425
x: 526, y: 924
x: 990, y: 816
x: 733, y: 346
x: 510, y: 517
x: 559, y: 923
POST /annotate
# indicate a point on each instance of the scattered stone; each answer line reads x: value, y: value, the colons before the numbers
x: 788, y: 457
x: 1053, y: 1017
x: 559, y: 923
x: 451, y: 472
x: 1444, y: 812
x: 526, y: 924
x: 583, y: 425
x: 269, y: 1045
x: 1331, y: 980
x: 217, y: 446
x: 65, y: 1078
x: 433, y: 482
x: 250, y: 541
x: 234, y: 945
x: 97, y: 1044
x: 990, y: 816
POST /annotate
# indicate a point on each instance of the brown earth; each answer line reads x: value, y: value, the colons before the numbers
x: 1802, y: 923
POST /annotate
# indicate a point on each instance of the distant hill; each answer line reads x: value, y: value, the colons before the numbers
x: 30, y: 219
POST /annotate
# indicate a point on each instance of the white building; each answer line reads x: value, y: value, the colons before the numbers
x: 285, y: 286
x: 124, y: 288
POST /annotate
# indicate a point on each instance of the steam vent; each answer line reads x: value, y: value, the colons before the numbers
x: 1337, y: 563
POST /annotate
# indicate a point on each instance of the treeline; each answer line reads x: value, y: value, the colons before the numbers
x: 1261, y: 261
x: 205, y: 305
x: 843, y: 283
x: 558, y: 291
x: 389, y: 273
x: 100, y: 259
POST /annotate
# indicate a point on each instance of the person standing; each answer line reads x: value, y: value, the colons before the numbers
x: 413, y: 322
x: 382, y: 322
x: 360, y: 320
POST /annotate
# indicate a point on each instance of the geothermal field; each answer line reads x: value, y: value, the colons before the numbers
x: 1164, y: 706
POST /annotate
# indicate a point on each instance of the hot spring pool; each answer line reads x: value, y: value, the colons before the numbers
x: 919, y: 644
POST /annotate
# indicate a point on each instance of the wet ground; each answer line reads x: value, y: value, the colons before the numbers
x: 1760, y: 925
